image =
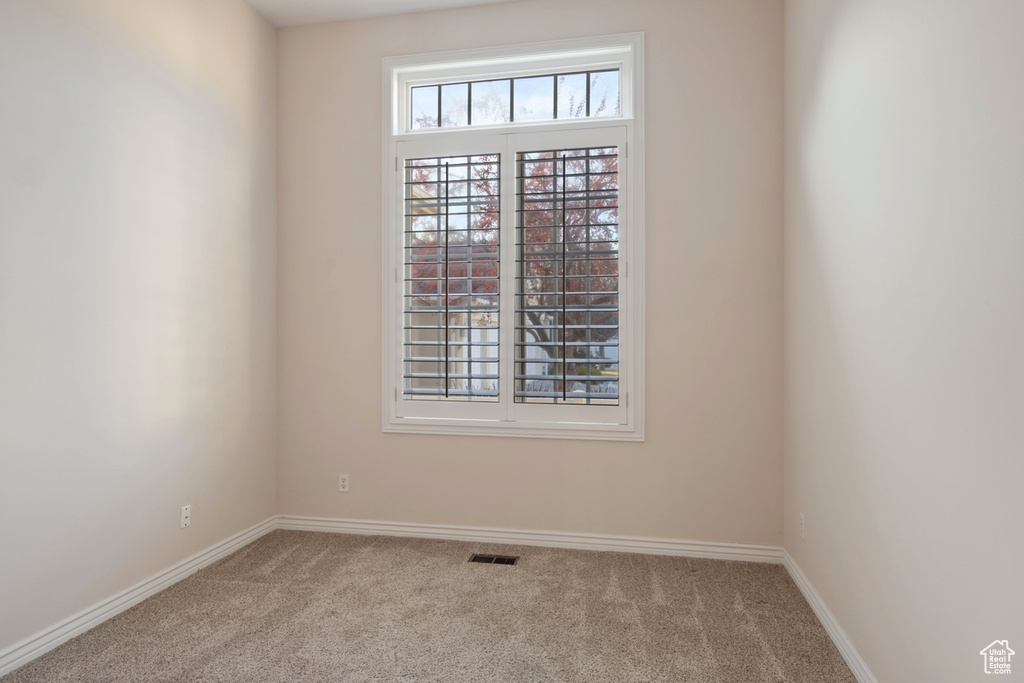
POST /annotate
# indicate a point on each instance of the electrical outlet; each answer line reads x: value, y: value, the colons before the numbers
x: 186, y: 515
x: 343, y: 483
x: 801, y: 525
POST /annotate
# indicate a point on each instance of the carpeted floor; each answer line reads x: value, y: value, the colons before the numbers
x: 301, y: 606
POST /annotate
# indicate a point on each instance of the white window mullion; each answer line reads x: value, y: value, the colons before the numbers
x: 631, y: 320
x: 508, y: 264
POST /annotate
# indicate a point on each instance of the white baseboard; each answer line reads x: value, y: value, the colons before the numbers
x: 853, y: 659
x: 557, y: 539
x: 25, y: 651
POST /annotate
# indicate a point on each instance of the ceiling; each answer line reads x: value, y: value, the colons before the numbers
x: 297, y: 12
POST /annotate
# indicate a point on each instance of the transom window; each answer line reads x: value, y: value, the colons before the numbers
x: 511, y: 100
x: 513, y: 241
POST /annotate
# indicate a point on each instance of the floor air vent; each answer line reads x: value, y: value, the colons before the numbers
x: 494, y: 559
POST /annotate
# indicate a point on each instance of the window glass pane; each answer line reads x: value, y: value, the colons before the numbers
x: 455, y: 104
x: 572, y: 96
x: 604, y: 93
x: 491, y: 102
x: 424, y: 107
x: 450, y: 309
x: 535, y: 98
x: 567, y: 280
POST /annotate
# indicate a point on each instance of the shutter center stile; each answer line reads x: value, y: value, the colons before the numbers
x: 565, y: 291
x: 447, y: 287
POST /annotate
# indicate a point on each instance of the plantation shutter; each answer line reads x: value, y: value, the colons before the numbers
x: 451, y: 264
x: 567, y: 280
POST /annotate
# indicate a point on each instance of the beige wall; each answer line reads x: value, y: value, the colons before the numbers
x: 711, y: 467
x: 905, y: 325
x: 137, y: 292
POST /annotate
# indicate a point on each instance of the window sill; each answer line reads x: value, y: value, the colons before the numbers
x: 534, y: 430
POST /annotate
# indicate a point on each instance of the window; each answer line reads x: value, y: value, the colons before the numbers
x: 513, y: 241
x: 508, y: 100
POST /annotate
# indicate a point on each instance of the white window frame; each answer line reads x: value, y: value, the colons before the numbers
x: 506, y: 417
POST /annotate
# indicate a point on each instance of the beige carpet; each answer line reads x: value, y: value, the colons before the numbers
x: 301, y: 606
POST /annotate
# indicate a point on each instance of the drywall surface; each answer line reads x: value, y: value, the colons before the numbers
x: 710, y: 468
x: 137, y: 292
x: 905, y: 325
